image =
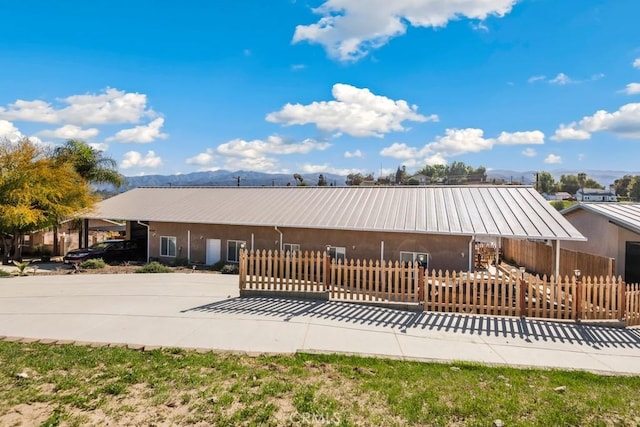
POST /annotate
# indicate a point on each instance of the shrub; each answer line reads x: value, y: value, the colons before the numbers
x: 218, y: 266
x: 229, y: 269
x: 155, y: 267
x: 4, y: 273
x: 93, y: 264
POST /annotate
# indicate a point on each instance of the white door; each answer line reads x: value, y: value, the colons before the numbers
x: 213, y: 251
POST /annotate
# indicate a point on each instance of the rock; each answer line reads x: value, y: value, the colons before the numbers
x: 22, y: 375
x: 455, y: 368
x: 560, y: 389
x: 498, y: 423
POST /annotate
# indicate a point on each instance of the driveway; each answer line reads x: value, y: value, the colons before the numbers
x: 204, y: 311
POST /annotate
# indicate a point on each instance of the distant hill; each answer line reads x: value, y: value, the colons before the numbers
x: 224, y: 178
x: 603, y: 177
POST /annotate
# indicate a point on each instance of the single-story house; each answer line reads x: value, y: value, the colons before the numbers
x: 441, y: 223
x: 560, y: 195
x: 596, y: 195
x: 612, y: 230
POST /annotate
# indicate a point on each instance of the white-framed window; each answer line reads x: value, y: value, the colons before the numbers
x: 337, y: 252
x: 168, y: 246
x: 291, y: 248
x: 420, y: 257
x: 233, y: 250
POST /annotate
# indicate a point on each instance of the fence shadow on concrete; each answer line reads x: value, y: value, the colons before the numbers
x: 527, y: 329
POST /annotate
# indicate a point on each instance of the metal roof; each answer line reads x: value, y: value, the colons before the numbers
x: 626, y: 215
x: 507, y: 211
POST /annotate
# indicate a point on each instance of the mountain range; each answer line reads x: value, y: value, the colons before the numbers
x: 225, y: 178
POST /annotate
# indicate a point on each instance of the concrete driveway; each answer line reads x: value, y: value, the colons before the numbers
x: 204, y: 311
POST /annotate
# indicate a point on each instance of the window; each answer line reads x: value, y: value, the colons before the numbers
x: 291, y: 248
x: 233, y: 250
x: 337, y: 253
x: 421, y: 257
x: 167, y: 246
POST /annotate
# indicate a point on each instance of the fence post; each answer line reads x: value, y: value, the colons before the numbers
x: 622, y: 299
x: 579, y: 287
x: 522, y: 301
x: 242, y: 272
x: 327, y: 280
x: 421, y: 284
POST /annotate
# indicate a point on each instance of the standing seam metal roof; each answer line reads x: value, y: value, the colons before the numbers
x: 623, y: 214
x: 507, y: 211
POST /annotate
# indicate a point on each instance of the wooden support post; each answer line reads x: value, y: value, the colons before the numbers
x: 421, y: 284
x: 327, y: 280
x: 622, y: 299
x: 579, y: 289
x: 522, y: 301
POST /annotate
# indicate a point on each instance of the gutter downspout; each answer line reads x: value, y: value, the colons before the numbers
x: 188, y: 246
x: 148, y: 230
x: 280, y: 242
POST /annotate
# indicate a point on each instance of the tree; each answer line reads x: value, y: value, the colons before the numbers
x: 582, y: 178
x: 569, y: 183
x: 299, y: 180
x: 89, y: 163
x: 36, y: 190
x: 358, y: 178
x: 621, y: 185
x: 322, y: 181
x: 401, y: 175
x: 545, y: 182
x: 634, y: 189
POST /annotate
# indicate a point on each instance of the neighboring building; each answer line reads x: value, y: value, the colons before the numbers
x: 612, y: 230
x: 560, y: 195
x: 206, y: 225
x: 596, y: 195
x: 422, y: 179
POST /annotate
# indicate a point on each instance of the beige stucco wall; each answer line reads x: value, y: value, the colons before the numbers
x: 604, y: 238
x: 445, y: 252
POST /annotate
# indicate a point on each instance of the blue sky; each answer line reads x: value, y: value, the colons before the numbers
x: 335, y: 86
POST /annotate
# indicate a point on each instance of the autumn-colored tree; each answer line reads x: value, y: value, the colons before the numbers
x: 35, y: 190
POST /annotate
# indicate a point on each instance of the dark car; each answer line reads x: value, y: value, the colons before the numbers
x: 111, y: 251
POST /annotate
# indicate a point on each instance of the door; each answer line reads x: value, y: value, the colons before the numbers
x: 213, y: 251
x: 632, y: 263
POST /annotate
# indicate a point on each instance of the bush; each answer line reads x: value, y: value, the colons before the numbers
x: 93, y: 264
x: 229, y: 269
x: 218, y: 266
x: 155, y: 267
x: 4, y: 273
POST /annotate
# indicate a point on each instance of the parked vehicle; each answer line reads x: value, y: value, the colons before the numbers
x: 110, y: 251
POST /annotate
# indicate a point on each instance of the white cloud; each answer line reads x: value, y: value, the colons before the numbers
x: 456, y: 142
x: 349, y: 29
x: 529, y: 152
x: 552, y: 159
x: 298, y: 67
x: 353, y: 154
x: 100, y: 146
x: 141, y: 134
x: 625, y: 123
x: 201, y: 159
x: 310, y: 168
x: 110, y: 107
x: 632, y: 89
x: 561, y: 79
x: 520, y: 138
x: 357, y: 112
x: 70, y: 132
x: 134, y: 159
x: 569, y: 131
x: 258, y: 164
x: 272, y: 145
x: 9, y: 131
x: 636, y: 63
x: 534, y: 79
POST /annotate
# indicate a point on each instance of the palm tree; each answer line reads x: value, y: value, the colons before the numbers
x: 91, y: 165
x: 582, y: 178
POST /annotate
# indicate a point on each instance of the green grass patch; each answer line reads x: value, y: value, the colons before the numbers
x: 155, y: 267
x: 73, y: 384
x: 5, y: 274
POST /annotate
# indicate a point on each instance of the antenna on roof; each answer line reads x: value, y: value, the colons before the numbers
x: 238, y: 178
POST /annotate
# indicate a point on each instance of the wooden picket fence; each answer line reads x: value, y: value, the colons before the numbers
x: 504, y: 293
